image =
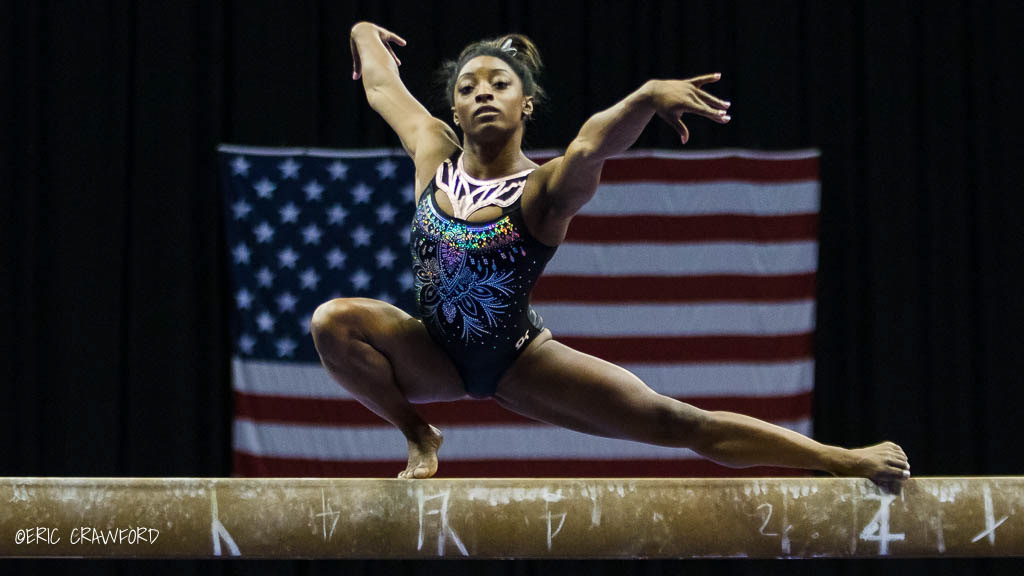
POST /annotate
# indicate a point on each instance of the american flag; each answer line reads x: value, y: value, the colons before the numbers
x: 695, y: 271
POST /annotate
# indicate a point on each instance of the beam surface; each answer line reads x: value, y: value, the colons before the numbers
x: 509, y: 518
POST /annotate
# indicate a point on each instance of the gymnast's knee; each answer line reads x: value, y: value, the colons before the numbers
x: 338, y: 323
x: 680, y: 424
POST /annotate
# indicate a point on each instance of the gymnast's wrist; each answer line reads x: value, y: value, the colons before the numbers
x: 837, y: 461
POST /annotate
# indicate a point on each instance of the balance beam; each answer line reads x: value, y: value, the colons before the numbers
x: 509, y: 518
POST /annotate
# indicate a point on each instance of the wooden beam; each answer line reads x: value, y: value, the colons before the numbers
x: 509, y: 518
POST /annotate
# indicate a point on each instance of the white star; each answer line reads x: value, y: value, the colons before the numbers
x: 246, y: 343
x: 337, y: 170
x: 289, y: 169
x: 361, y: 236
x: 286, y: 302
x: 409, y: 192
x: 265, y: 188
x: 239, y: 166
x: 336, y: 215
x: 287, y: 257
x: 244, y: 298
x: 360, y: 280
x: 309, y: 279
x: 361, y: 193
x: 384, y: 296
x: 304, y: 322
x: 265, y: 277
x: 336, y: 259
x: 405, y: 279
x: 386, y: 213
x: 289, y: 213
x: 265, y: 321
x: 385, y: 258
x: 241, y: 209
x: 313, y: 190
x: 386, y: 169
x: 264, y: 233
x: 285, y: 347
x: 311, y: 234
x: 241, y: 254
x: 404, y: 234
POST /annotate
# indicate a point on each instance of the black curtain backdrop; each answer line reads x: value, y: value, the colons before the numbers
x: 114, y: 267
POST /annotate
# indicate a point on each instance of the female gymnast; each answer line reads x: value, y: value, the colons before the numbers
x: 487, y: 221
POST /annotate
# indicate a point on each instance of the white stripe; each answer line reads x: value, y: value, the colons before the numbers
x: 675, y: 199
x: 684, y: 259
x: 381, y: 443
x: 676, y: 380
x: 698, y: 154
x: 765, y: 319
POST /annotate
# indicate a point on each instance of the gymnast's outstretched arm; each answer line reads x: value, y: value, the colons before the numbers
x: 569, y: 182
x: 425, y: 138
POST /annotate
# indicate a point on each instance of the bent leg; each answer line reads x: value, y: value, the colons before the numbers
x: 386, y: 360
x: 556, y: 384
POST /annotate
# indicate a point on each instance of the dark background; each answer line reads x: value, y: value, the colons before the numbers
x: 114, y: 279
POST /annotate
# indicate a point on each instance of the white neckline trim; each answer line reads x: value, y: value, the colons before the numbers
x: 461, y: 169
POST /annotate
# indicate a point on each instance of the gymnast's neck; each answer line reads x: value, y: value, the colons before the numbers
x: 502, y: 155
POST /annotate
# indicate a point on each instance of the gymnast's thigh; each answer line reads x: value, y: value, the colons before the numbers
x: 554, y: 383
x: 423, y: 370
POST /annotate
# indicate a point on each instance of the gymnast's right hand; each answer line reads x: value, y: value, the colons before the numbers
x: 371, y: 30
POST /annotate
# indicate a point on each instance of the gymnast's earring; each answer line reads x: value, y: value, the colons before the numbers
x: 527, y: 110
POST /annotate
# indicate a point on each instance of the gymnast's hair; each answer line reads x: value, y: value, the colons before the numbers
x: 518, y: 51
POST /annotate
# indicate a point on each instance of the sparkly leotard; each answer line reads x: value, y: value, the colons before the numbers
x: 473, y: 280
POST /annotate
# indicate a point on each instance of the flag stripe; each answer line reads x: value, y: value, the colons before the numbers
x: 759, y: 380
x: 711, y: 228
x: 695, y: 348
x: 670, y: 199
x: 674, y: 288
x: 630, y: 259
x: 342, y: 442
x: 702, y: 319
x: 686, y: 170
x: 251, y: 465
x: 287, y: 409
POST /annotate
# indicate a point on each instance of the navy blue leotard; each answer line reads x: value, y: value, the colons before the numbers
x: 473, y: 280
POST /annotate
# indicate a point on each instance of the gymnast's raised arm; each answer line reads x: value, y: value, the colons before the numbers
x: 569, y: 182
x: 425, y: 138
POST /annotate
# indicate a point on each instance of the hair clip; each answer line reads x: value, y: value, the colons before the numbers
x: 506, y: 46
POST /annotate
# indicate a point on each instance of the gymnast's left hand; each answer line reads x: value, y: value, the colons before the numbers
x: 673, y: 98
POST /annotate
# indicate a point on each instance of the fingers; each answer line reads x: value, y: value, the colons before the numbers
x: 355, y: 59
x: 387, y: 37
x: 392, y: 37
x: 712, y: 101
x: 393, y: 55
x: 684, y: 132
x: 706, y: 79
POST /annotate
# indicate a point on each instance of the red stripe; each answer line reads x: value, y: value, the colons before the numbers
x: 696, y: 349
x: 708, y: 228
x: 683, y: 170
x: 674, y: 288
x: 248, y: 465
x: 709, y: 169
x: 351, y: 413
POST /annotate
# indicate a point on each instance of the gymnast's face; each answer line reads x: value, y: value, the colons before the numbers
x: 489, y: 98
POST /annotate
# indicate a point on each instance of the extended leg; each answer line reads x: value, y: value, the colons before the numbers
x: 556, y: 384
x: 386, y: 360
